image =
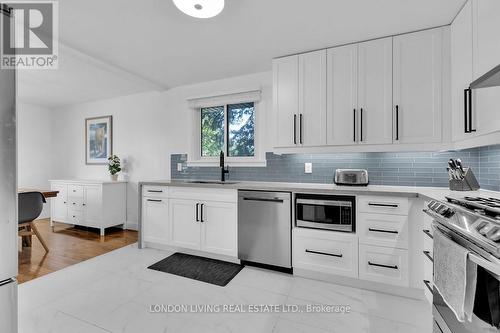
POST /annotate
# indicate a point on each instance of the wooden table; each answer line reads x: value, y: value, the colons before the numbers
x: 47, y: 194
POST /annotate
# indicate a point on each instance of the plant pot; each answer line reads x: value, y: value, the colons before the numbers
x: 114, y: 177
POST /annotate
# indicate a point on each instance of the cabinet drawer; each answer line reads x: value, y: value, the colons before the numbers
x: 383, y: 230
x: 75, y: 191
x: 155, y: 191
x: 381, y: 204
x: 326, y: 252
x: 75, y: 203
x: 385, y: 265
x: 203, y: 194
x: 75, y: 217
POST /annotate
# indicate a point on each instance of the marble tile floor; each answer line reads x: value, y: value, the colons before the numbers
x: 115, y: 291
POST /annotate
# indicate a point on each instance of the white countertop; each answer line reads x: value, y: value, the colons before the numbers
x: 435, y: 193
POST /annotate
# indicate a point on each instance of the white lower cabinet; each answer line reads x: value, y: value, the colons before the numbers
x: 383, y: 264
x: 184, y: 227
x: 219, y: 229
x: 155, y: 220
x: 197, y: 219
x: 325, y: 251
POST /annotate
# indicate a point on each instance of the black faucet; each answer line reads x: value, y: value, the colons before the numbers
x: 223, y: 169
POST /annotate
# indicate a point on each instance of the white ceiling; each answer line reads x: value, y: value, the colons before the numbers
x: 161, y: 47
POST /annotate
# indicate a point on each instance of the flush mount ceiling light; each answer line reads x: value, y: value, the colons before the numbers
x: 200, y: 8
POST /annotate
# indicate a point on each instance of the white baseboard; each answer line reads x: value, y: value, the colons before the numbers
x: 361, y: 284
x: 130, y: 225
x: 192, y: 252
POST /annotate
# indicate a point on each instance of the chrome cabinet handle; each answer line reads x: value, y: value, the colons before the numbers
x: 383, y: 231
x: 381, y: 265
x: 325, y: 253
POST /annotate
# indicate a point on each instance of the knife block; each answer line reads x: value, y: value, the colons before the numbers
x: 468, y: 183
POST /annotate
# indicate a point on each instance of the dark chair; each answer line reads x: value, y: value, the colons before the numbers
x: 30, y: 206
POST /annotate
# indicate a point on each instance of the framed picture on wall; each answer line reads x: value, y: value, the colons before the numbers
x: 98, y: 139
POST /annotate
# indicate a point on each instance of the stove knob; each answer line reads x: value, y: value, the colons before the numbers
x: 480, y: 211
x: 448, y: 212
x: 487, y: 229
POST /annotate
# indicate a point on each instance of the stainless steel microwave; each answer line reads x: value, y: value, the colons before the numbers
x: 330, y: 212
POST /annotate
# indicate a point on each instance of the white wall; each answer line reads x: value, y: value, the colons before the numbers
x: 34, y: 148
x: 147, y: 128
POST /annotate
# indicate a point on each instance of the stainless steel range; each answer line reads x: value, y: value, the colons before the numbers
x: 474, y: 223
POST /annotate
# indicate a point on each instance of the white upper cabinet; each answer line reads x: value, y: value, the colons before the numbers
x: 486, y: 42
x: 342, y: 95
x: 300, y: 99
x: 312, y: 99
x: 461, y: 70
x: 286, y: 99
x: 418, y: 86
x: 375, y: 91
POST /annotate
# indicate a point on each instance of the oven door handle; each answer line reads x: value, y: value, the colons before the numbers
x: 492, y: 265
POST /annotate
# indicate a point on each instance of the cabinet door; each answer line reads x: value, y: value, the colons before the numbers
x: 286, y: 89
x: 486, y: 26
x: 312, y: 99
x: 219, y: 228
x: 59, y: 204
x: 155, y: 220
x: 418, y: 86
x: 342, y: 95
x: 375, y: 91
x: 92, y: 203
x: 461, y: 64
x: 184, y: 229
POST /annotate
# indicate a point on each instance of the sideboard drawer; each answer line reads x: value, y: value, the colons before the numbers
x: 75, y: 191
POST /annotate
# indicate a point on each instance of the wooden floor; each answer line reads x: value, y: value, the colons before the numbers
x: 68, y: 246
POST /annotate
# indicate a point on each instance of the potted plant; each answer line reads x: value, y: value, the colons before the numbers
x: 114, y: 167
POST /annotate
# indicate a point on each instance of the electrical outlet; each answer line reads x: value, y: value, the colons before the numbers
x: 179, y: 167
x: 308, y: 167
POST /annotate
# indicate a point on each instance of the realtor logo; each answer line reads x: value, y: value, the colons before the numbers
x: 29, y: 37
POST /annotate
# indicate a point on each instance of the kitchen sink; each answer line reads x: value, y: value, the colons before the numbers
x: 216, y: 182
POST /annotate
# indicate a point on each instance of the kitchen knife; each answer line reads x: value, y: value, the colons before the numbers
x: 458, y: 162
x: 453, y: 168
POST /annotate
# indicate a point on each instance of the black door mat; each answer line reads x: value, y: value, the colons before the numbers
x: 207, y: 270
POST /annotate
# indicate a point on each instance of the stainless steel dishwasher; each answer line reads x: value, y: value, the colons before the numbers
x: 265, y: 229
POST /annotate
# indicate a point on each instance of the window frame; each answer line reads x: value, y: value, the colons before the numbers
x: 258, y: 160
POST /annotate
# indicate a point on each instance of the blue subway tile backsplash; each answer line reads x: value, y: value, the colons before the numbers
x: 394, y: 168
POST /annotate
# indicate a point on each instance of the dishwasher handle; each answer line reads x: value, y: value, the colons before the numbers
x: 264, y: 199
